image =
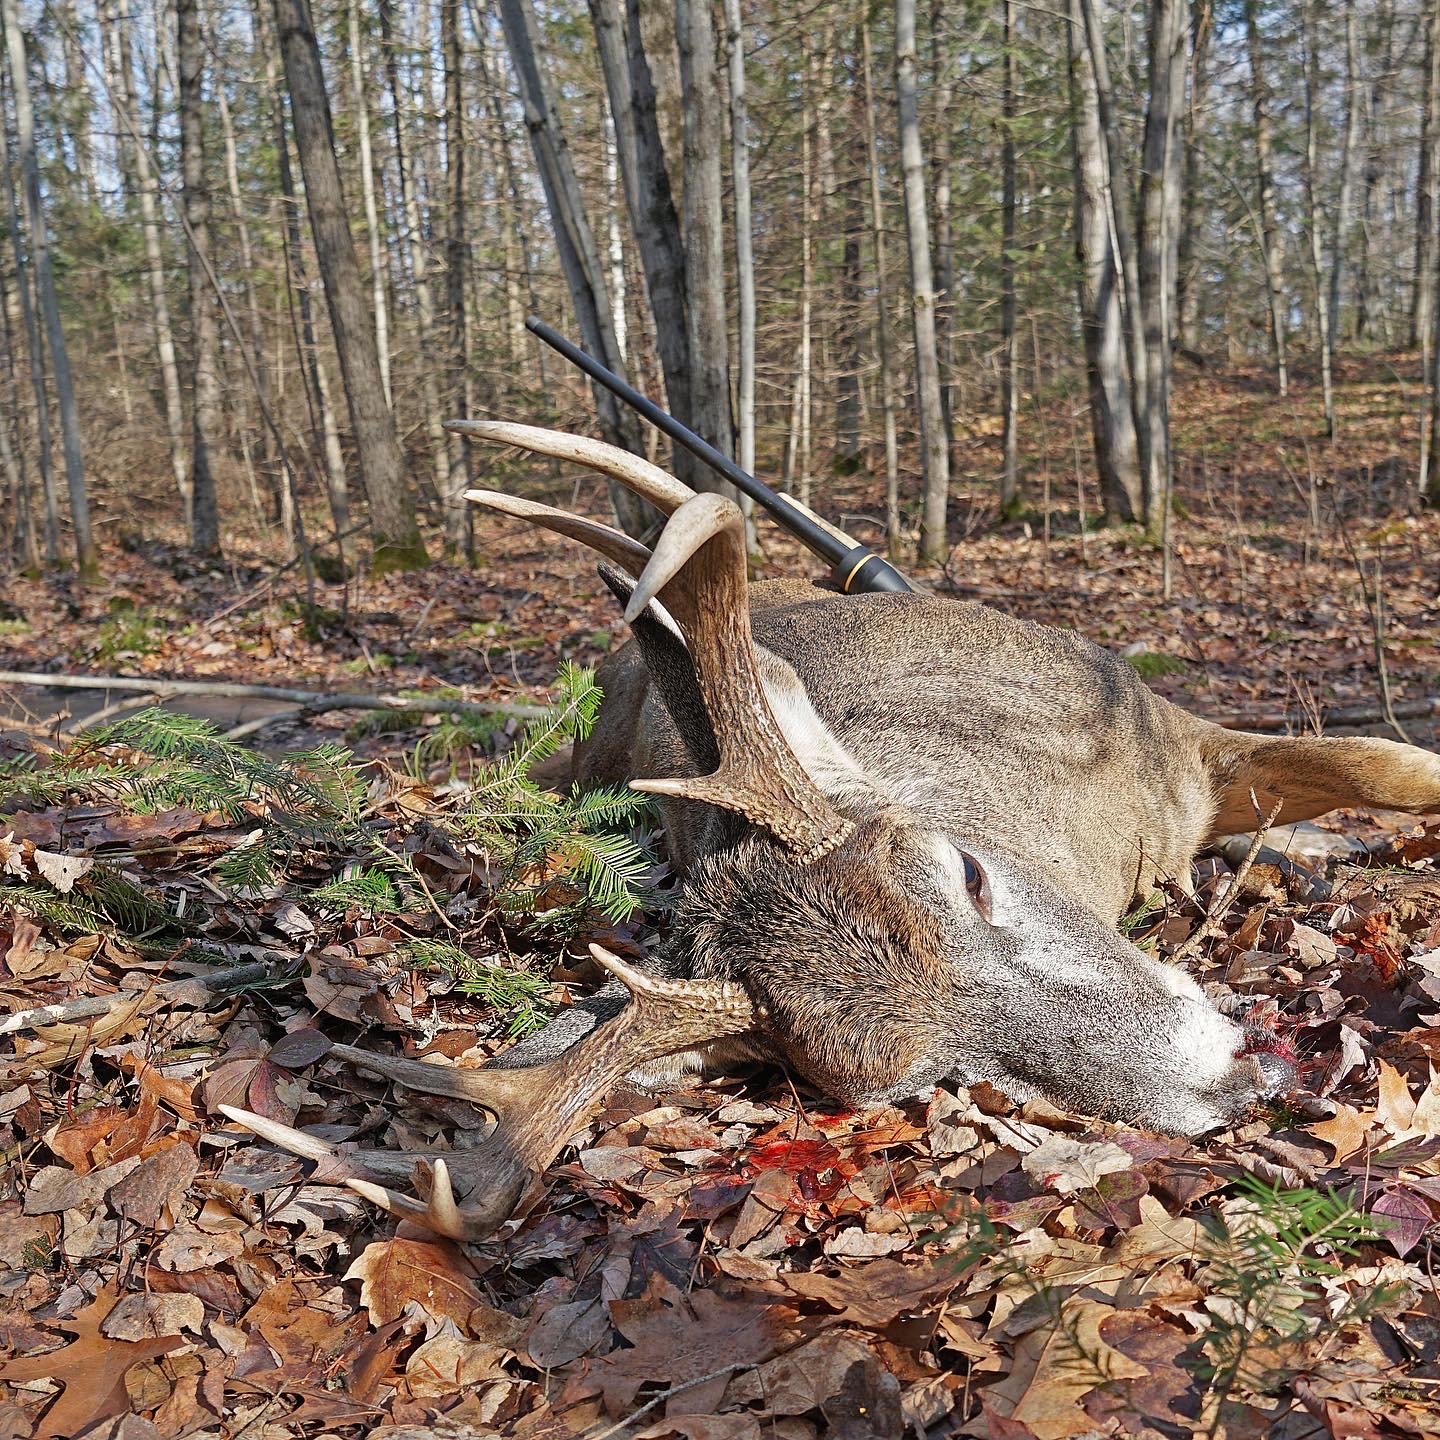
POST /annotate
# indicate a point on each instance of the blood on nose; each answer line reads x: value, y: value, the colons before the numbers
x: 1274, y: 1054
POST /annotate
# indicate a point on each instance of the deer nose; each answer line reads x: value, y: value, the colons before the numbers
x: 1276, y: 1071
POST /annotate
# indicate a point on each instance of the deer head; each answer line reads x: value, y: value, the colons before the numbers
x: 824, y: 921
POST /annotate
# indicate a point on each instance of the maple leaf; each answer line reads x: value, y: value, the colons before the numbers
x: 91, y: 1369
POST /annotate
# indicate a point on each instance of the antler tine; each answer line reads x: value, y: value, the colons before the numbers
x: 537, y: 1107
x: 661, y: 489
x: 700, y: 565
x: 615, y: 546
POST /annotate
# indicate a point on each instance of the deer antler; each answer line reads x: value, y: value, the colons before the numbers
x: 536, y: 1108
x: 698, y: 569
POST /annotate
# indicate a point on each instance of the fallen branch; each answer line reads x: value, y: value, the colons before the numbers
x: 211, y: 983
x: 1228, y: 895
x: 308, y: 700
x: 1338, y: 715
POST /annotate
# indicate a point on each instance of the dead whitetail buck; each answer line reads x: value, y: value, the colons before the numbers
x: 907, y: 828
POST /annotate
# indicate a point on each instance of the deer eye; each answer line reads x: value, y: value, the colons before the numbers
x: 976, y: 885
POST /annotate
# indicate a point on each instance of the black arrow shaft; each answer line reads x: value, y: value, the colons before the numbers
x: 855, y: 567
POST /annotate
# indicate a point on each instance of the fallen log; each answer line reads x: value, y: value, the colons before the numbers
x: 310, y: 701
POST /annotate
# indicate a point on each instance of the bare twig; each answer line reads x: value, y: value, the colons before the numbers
x: 665, y: 1395
x: 1220, y: 906
x: 210, y: 983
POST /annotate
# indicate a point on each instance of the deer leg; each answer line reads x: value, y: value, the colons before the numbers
x: 1312, y: 774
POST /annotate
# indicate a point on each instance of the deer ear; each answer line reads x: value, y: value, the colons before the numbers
x: 1312, y: 774
x: 671, y: 671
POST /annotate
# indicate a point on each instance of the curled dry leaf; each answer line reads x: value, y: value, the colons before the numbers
x: 1066, y: 1165
x: 431, y: 1273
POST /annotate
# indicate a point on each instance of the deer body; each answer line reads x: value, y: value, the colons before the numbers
x: 906, y: 829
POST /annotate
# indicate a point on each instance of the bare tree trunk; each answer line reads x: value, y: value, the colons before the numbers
x: 1119, y: 206
x: 1187, y: 270
x: 1345, y: 192
x: 650, y: 199
x: 1371, y: 314
x: 704, y: 228
x: 205, y: 337
x: 1168, y: 30
x: 1271, y: 238
x: 379, y: 298
x: 382, y: 471
x: 579, y: 257
x: 942, y: 45
x: 314, y: 382
x: 459, y: 531
x: 129, y: 143
x: 419, y: 268
x: 882, y: 298
x: 744, y: 237
x: 1422, y: 302
x: 1112, y: 415
x: 934, y: 543
x: 25, y: 548
x: 804, y: 378
x: 247, y: 258
x: 1009, y: 366
x: 852, y: 328
x: 1316, y: 216
x: 516, y: 247
x: 34, y: 347
x: 87, y: 558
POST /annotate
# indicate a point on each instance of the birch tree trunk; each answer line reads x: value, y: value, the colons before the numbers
x: 130, y: 144
x: 50, y: 500
x: 419, y: 269
x: 882, y: 297
x: 1168, y: 30
x: 87, y: 558
x: 204, y: 514
x: 934, y: 544
x: 1187, y: 271
x: 1316, y: 216
x: 1344, y: 194
x: 379, y: 297
x: 744, y: 235
x: 1271, y: 238
x: 1009, y: 368
x: 382, y: 471
x: 1427, y: 260
x: 1112, y: 415
x: 459, y: 531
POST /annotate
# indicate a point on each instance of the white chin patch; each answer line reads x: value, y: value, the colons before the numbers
x: 1204, y: 1044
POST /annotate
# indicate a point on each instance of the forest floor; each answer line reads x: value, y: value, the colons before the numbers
x: 742, y: 1260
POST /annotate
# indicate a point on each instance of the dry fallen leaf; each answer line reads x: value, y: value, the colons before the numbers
x: 1065, y: 1165
x: 432, y: 1273
x: 91, y: 1369
x: 1056, y: 1365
